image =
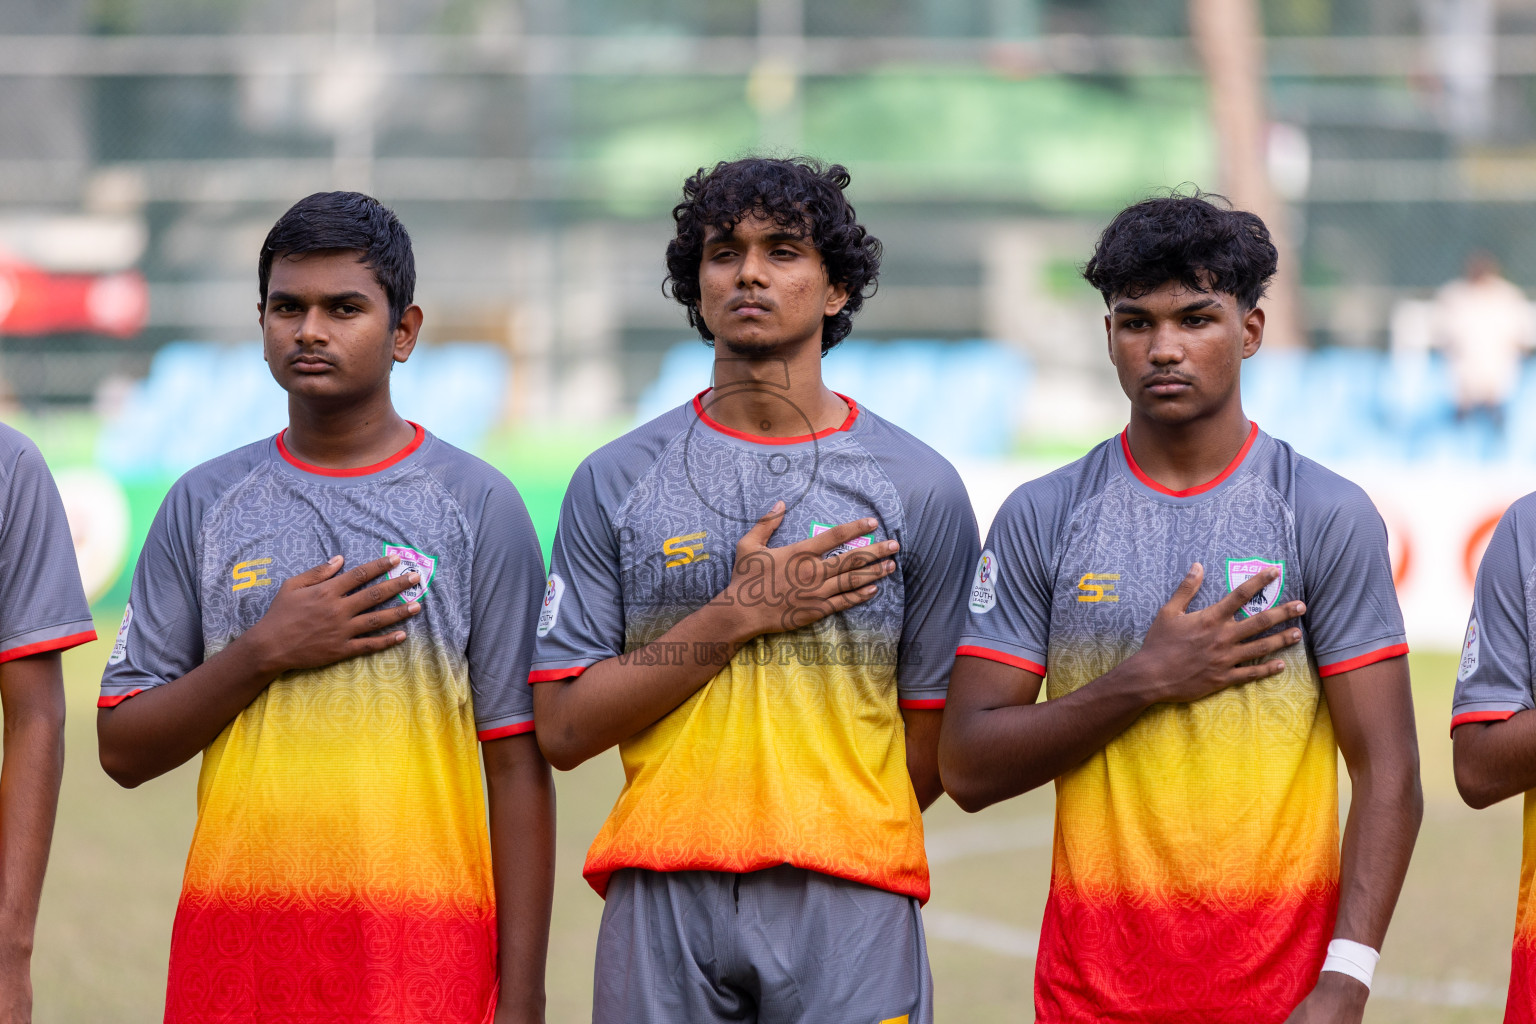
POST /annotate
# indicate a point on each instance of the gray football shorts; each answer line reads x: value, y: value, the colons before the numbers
x: 777, y: 946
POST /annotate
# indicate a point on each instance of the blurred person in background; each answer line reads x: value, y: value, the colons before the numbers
x: 334, y: 616
x: 751, y: 596
x: 1484, y: 324
x: 1493, y: 726
x: 1193, y: 738
x: 44, y: 614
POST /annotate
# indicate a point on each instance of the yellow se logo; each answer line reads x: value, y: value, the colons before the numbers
x: 251, y: 574
x: 1098, y: 586
x: 684, y: 549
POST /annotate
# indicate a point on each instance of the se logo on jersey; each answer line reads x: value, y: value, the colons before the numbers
x: 1098, y: 586
x: 685, y: 549
x: 1241, y: 570
x: 411, y: 559
x: 250, y: 574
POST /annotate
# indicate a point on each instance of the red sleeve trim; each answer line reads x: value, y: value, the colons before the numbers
x: 1340, y: 667
x: 1006, y: 659
x: 921, y: 705
x: 62, y: 643
x: 112, y: 702
x: 516, y: 729
x: 1467, y: 717
x: 550, y: 675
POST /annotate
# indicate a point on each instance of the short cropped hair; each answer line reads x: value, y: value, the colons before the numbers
x: 331, y: 221
x: 1197, y: 240
x: 801, y: 195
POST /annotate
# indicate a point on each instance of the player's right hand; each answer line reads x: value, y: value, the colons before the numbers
x: 1188, y: 655
x: 323, y: 615
x: 775, y: 590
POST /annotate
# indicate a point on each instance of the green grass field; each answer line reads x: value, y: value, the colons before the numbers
x: 118, y: 857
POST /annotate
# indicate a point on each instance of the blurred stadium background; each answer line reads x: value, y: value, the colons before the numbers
x: 534, y: 147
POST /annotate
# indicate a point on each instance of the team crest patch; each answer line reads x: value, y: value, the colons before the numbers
x: 817, y: 529
x: 411, y: 559
x: 984, y: 586
x: 1241, y: 570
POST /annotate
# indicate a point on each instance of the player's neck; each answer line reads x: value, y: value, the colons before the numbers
x: 346, y: 437
x: 1180, y: 456
x: 781, y: 395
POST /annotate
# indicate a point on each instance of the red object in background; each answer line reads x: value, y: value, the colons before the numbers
x: 34, y: 302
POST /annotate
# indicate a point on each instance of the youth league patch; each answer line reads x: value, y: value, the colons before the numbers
x: 1241, y: 570
x: 120, y: 648
x: 550, y: 611
x: 1469, y: 649
x: 411, y: 559
x: 984, y: 586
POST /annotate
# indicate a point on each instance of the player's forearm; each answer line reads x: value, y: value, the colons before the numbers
x: 988, y: 754
x: 522, y: 823
x: 1495, y: 760
x: 922, y: 743
x: 1386, y: 807
x: 614, y: 699
x: 30, y: 774
x: 162, y: 728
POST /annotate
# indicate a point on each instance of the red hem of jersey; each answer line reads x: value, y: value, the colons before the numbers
x: 1242, y: 453
x: 1468, y: 717
x: 550, y: 675
x: 112, y: 702
x: 1363, y: 660
x: 847, y: 424
x: 62, y: 643
x: 921, y: 705
x: 282, y: 449
x: 968, y: 651
x: 515, y: 729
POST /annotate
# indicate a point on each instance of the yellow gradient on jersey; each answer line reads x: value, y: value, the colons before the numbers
x: 775, y: 761
x: 1232, y: 799
x: 359, y: 780
x: 1525, y: 914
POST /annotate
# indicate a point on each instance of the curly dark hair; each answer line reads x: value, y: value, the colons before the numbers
x: 797, y: 194
x: 1197, y: 240
x: 328, y: 221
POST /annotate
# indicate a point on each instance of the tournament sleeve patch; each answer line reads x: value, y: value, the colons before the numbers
x: 984, y: 586
x: 120, y: 647
x: 553, y: 591
x: 1469, y: 651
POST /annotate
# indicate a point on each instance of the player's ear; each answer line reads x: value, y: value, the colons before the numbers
x: 1253, y: 331
x: 406, y: 333
x: 837, y: 298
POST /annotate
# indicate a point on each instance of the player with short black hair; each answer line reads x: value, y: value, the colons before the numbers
x: 333, y: 617
x: 1197, y: 874
x: 44, y: 614
x: 727, y: 604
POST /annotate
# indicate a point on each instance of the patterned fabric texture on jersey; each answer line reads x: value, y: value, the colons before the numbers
x: 1195, y: 870
x: 1493, y: 683
x: 340, y: 868
x: 795, y: 752
x: 45, y: 608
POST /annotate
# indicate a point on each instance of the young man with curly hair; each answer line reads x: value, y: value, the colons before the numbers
x: 751, y: 596
x: 339, y: 619
x: 1192, y: 738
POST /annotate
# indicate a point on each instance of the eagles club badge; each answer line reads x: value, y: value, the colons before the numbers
x: 1241, y: 570
x: 411, y: 559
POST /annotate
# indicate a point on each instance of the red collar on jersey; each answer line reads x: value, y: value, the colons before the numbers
x: 282, y: 449
x: 1237, y: 460
x: 847, y: 424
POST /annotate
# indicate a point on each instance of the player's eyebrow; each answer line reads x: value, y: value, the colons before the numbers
x: 1131, y: 309
x: 329, y: 300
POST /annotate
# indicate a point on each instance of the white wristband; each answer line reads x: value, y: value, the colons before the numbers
x: 1355, y: 959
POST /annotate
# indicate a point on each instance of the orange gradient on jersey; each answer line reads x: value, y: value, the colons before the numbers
x: 1521, y: 1007
x: 341, y: 862
x: 792, y: 754
x: 1196, y: 856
